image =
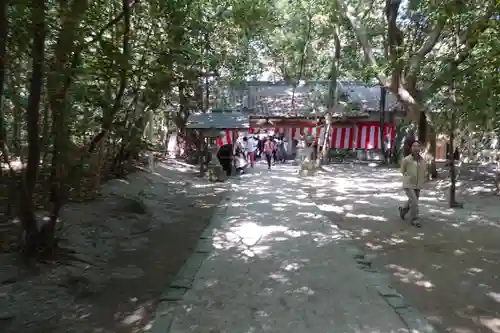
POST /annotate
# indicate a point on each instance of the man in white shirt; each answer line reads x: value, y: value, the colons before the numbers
x: 251, y: 149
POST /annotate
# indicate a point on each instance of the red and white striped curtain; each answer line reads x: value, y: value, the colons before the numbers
x: 296, y: 133
x: 363, y: 136
x: 343, y: 138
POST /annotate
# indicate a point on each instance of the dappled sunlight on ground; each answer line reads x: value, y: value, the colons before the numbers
x: 448, y: 268
x: 278, y: 265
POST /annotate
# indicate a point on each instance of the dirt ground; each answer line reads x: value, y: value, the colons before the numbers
x: 130, y: 244
x: 449, y: 268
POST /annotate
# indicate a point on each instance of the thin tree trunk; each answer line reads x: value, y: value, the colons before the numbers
x: 302, y: 60
x: 453, y: 115
x: 332, y: 94
x: 27, y: 212
x: 4, y: 26
x: 59, y: 81
x: 109, y: 116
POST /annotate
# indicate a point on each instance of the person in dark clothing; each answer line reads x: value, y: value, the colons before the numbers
x: 274, y: 142
x: 260, y: 147
x: 224, y: 155
x: 407, y: 142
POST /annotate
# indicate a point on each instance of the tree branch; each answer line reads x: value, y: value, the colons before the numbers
x: 401, y: 92
x: 468, y: 41
x: 416, y: 59
x: 108, y: 26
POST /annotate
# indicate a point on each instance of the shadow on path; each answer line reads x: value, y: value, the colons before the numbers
x: 276, y: 264
x: 448, y: 269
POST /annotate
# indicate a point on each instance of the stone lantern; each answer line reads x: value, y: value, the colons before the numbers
x: 214, y: 169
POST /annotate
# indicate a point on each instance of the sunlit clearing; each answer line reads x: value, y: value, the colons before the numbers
x: 304, y: 290
x: 430, y: 199
x: 211, y: 283
x: 279, y: 277
x: 203, y: 185
x: 138, y: 315
x: 264, y: 201
x: 492, y: 323
x: 365, y: 232
x: 495, y: 296
x: 148, y: 326
x: 407, y: 275
x: 295, y: 233
x: 394, y: 241
x: 362, y: 202
x: 250, y: 232
x: 291, y: 267
x: 299, y: 203
x: 288, y: 179
x: 309, y: 215
x: 245, y: 237
x: 374, y: 246
x: 331, y: 208
x: 323, y: 239
x: 441, y: 211
x: 424, y: 283
x: 367, y: 217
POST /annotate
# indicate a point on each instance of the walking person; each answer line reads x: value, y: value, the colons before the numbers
x: 260, y: 146
x: 414, y: 169
x: 268, y: 151
x: 251, y: 150
x: 274, y: 141
x: 224, y: 155
x: 242, y: 146
x: 240, y: 162
x: 283, y: 148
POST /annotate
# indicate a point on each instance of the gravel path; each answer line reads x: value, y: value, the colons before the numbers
x: 449, y: 268
x: 271, y: 262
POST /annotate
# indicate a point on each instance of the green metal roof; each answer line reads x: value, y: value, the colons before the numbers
x: 217, y: 120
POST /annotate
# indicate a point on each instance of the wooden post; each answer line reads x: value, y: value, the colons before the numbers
x: 383, y: 93
x: 150, y: 139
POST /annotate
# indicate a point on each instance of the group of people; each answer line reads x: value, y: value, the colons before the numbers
x: 248, y: 149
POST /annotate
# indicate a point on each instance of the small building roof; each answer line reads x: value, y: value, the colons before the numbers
x: 218, y: 120
x: 274, y: 99
x: 368, y: 97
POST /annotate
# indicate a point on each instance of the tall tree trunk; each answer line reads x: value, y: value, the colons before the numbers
x: 59, y: 81
x: 333, y: 77
x: 452, y: 126
x: 302, y: 60
x: 4, y: 26
x: 27, y: 212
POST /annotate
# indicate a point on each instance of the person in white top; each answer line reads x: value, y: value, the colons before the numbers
x: 251, y: 149
x: 242, y: 146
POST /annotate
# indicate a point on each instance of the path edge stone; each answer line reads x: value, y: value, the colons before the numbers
x: 163, y: 317
x: 413, y: 319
